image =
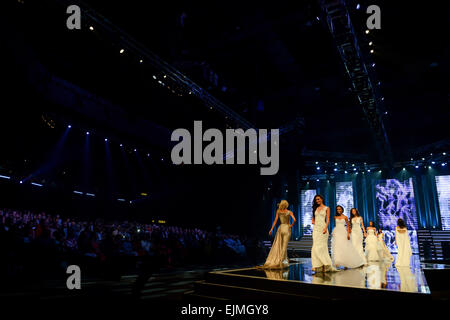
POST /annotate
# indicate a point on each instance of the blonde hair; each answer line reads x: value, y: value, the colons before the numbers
x: 283, y: 205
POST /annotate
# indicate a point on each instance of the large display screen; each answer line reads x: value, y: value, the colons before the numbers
x: 443, y: 192
x: 344, y: 196
x: 394, y: 200
x: 306, y: 198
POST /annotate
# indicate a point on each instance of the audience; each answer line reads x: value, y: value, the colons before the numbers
x: 108, y: 243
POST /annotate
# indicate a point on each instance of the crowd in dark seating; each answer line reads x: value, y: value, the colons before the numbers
x: 60, y: 240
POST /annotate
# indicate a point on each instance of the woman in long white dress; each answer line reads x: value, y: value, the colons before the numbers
x: 344, y: 254
x: 278, y: 257
x: 320, y: 257
x: 372, y: 243
x: 358, y: 232
x: 383, y: 251
x: 403, y: 245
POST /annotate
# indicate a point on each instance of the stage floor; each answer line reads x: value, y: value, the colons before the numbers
x: 374, y: 276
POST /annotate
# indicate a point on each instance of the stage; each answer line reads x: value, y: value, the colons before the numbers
x: 376, y: 280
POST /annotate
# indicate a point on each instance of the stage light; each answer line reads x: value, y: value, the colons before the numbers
x: 367, y: 31
x: 423, y: 158
x: 5, y: 177
x: 91, y: 28
x: 370, y: 43
x: 318, y: 168
x: 429, y: 167
x: 379, y: 171
x: 373, y: 64
x: 37, y: 184
x: 154, y: 77
x: 77, y: 192
x: 385, y: 112
x: 335, y: 169
x: 412, y: 159
x: 443, y: 153
x: 140, y: 61
x: 317, y: 162
x: 106, y: 139
x: 354, y: 169
x: 135, y: 150
x: 20, y: 181
x: 371, y: 51
x: 335, y: 163
x: 122, y: 51
x: 417, y: 167
x: 368, y: 170
x: 123, y: 200
x: 317, y: 180
x: 190, y: 92
x: 443, y: 164
x: 148, y: 155
x: 121, y: 145
x: 358, y: 6
x: 382, y: 98
x: 69, y: 126
x: 90, y: 194
x: 87, y: 133
x: 431, y: 154
x: 404, y: 169
x: 353, y: 164
x: 164, y: 76
x: 357, y: 173
x: 317, y: 18
x: 346, y: 171
x: 432, y: 162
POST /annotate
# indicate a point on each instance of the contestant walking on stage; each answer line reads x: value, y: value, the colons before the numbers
x: 383, y: 251
x: 372, y: 243
x: 343, y: 252
x: 277, y: 257
x: 357, y: 234
x: 320, y: 257
x: 403, y: 245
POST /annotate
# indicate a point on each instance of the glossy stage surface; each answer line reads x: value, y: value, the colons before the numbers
x: 374, y: 276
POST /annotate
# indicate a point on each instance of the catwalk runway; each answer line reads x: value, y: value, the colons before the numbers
x: 377, y: 279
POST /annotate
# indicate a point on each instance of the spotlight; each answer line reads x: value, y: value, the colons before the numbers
x: 370, y: 43
x: 121, y: 145
x: 317, y: 18
x: 429, y: 167
x: 380, y: 171
x: 335, y: 163
x: 318, y: 168
x: 371, y: 51
x: 367, y: 31
x: 443, y: 164
x: 140, y: 61
x: 148, y: 155
x: 382, y: 98
x: 335, y: 169
x: 317, y: 180
x: 431, y: 154
x: 373, y: 64
x: 135, y: 150
x: 353, y: 164
x: 122, y: 51
x: 87, y: 133
x: 357, y: 173
x: 358, y: 6
x: 69, y: 126
x: 317, y: 162
x: 432, y: 162
x: 417, y: 167
x: 354, y: 169
x: 106, y: 139
x: 154, y: 77
x: 423, y: 158
x: 368, y: 170
x: 443, y: 153
x: 404, y: 169
x: 385, y: 112
x: 346, y: 171
x: 20, y: 181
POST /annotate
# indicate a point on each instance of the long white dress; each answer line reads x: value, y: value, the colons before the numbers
x: 319, y: 253
x: 357, y: 237
x: 404, y: 248
x: 343, y: 252
x: 383, y: 251
x: 372, y: 246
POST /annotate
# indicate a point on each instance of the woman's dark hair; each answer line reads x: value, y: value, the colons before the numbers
x: 401, y: 223
x: 339, y: 214
x: 353, y: 215
x: 372, y: 223
x: 315, y: 205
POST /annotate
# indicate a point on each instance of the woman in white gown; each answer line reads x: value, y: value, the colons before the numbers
x: 357, y: 234
x: 278, y: 257
x: 383, y: 251
x: 403, y: 245
x: 320, y: 257
x: 344, y: 254
x: 372, y: 243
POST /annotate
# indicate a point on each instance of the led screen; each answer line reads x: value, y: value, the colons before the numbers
x: 344, y: 196
x: 443, y: 192
x: 306, y: 198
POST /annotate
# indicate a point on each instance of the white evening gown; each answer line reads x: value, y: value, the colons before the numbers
x: 343, y: 252
x: 357, y: 237
x: 404, y: 248
x: 383, y: 251
x: 372, y: 246
x: 319, y: 253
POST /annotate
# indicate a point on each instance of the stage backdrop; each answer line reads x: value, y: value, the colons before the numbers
x: 394, y: 200
x: 306, y: 200
x: 443, y: 191
x: 344, y: 197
